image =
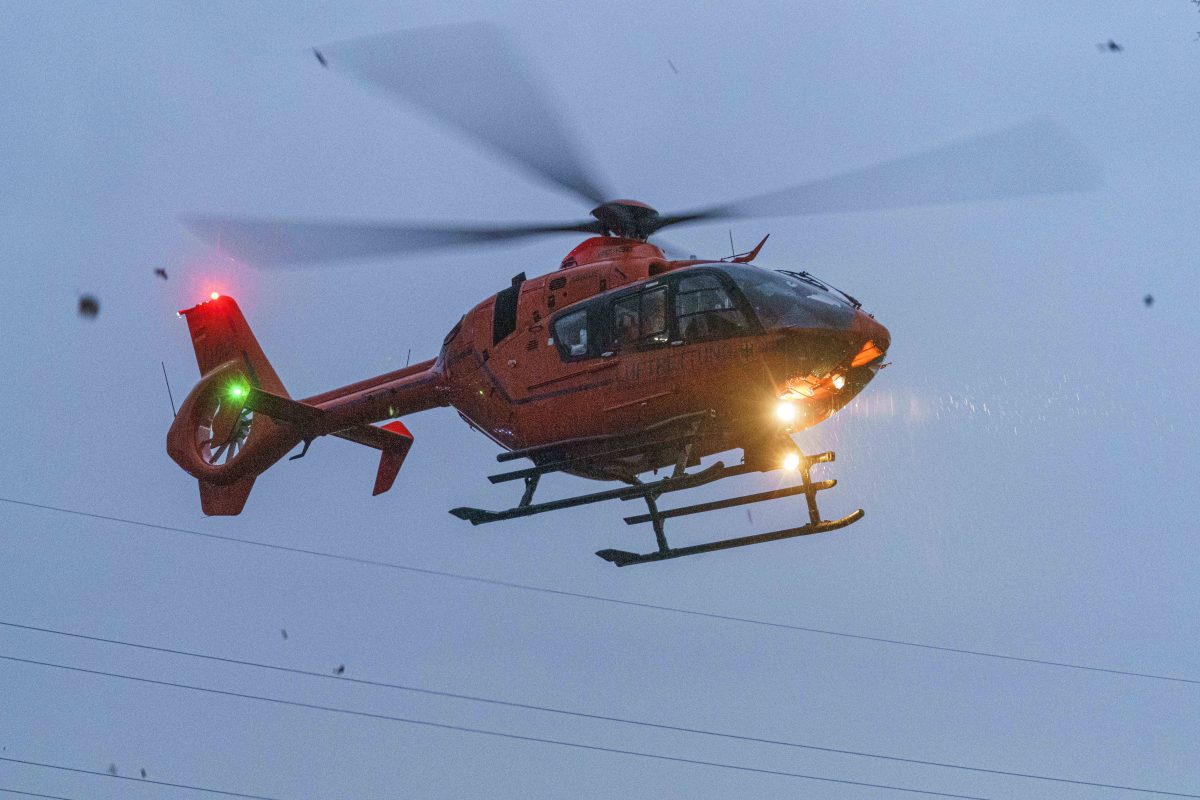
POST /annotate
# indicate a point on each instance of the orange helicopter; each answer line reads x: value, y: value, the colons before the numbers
x: 622, y: 362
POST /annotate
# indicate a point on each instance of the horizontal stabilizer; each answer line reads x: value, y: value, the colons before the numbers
x: 284, y: 409
x: 392, y: 440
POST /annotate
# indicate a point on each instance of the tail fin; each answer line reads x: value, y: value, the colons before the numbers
x: 220, y: 334
x: 214, y: 438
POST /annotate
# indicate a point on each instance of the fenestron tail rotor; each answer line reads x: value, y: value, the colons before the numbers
x: 222, y: 428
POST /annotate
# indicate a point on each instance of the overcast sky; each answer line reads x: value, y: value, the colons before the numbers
x: 1028, y: 464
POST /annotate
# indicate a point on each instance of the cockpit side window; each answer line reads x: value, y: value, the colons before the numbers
x: 705, y: 310
x: 641, y: 320
x: 571, y: 335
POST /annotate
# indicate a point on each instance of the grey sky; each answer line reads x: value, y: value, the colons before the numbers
x: 1028, y: 464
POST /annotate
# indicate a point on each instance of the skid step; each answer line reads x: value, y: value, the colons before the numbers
x: 624, y: 558
x: 479, y: 516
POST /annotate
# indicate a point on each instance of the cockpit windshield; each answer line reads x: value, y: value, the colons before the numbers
x: 791, y: 300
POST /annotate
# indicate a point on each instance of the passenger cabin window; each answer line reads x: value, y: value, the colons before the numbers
x: 571, y: 334
x: 705, y: 310
x: 640, y: 320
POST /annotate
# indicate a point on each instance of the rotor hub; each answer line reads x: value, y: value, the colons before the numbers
x: 628, y: 219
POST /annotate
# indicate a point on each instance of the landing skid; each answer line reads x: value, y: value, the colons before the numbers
x: 679, y: 480
x: 623, y: 558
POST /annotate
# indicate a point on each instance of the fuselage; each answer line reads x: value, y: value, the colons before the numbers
x: 628, y: 338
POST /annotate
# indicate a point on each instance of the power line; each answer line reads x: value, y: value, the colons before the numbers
x: 586, y: 715
x: 82, y: 771
x: 34, y: 794
x: 482, y: 731
x: 612, y: 600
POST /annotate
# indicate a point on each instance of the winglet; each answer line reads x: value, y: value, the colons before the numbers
x: 391, y: 455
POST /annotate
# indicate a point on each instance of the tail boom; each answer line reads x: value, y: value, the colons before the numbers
x: 239, y: 419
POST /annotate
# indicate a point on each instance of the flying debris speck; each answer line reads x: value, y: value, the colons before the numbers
x: 160, y: 272
x: 89, y: 306
x: 112, y: 769
x: 341, y: 668
x: 1148, y: 300
x: 672, y: 65
x: 143, y: 772
x: 320, y: 58
x: 1110, y: 46
x: 284, y: 632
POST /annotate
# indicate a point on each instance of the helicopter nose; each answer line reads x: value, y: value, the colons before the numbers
x: 871, y: 330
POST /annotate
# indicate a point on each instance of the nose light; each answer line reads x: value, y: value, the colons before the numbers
x: 786, y: 411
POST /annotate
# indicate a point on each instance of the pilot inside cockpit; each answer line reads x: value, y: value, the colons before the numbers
x: 705, y: 310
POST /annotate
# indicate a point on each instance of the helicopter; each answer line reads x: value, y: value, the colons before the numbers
x: 626, y: 360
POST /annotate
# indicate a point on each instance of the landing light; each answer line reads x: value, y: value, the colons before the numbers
x: 215, y: 296
x: 791, y: 462
x: 786, y: 411
x: 839, y: 381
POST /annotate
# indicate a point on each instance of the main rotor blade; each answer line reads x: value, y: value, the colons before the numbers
x: 273, y: 242
x: 1030, y: 159
x: 468, y: 76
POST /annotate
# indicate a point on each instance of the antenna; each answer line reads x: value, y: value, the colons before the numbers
x: 408, y: 357
x: 168, y: 383
x: 732, y: 251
